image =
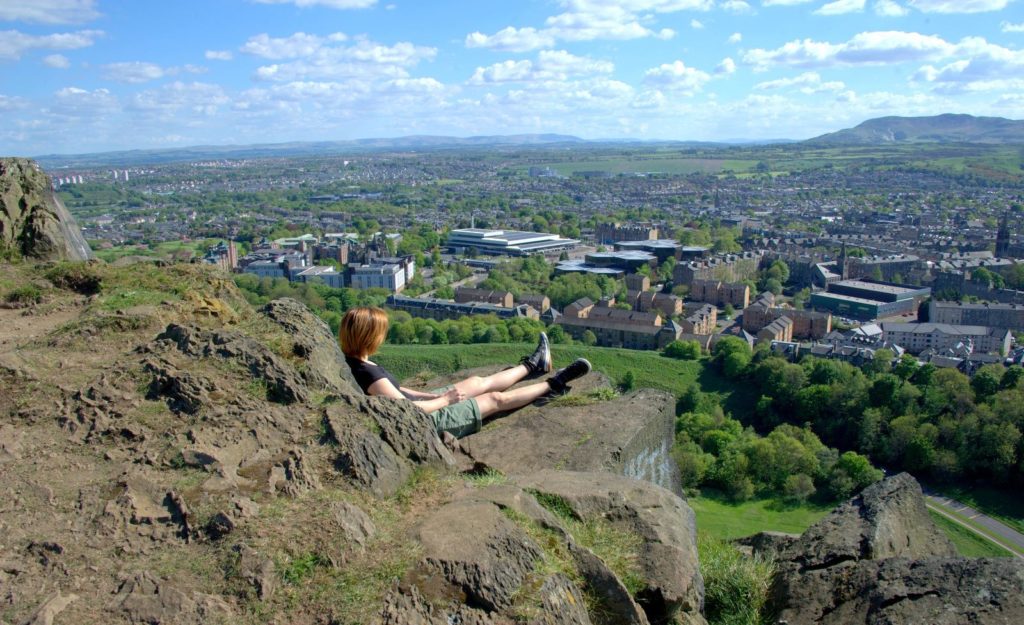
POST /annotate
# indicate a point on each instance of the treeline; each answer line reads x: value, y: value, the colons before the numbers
x: 533, y: 275
x: 326, y: 302
x: 406, y: 329
x: 791, y: 462
x: 932, y: 422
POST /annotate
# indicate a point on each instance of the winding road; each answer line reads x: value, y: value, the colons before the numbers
x: 985, y: 526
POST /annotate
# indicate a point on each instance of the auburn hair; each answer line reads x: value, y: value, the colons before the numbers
x: 362, y: 331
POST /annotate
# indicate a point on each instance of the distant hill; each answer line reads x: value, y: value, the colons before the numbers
x: 948, y: 128
x: 297, y: 148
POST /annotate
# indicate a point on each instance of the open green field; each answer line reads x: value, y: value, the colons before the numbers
x: 161, y: 250
x: 967, y: 542
x: 727, y: 521
x: 650, y: 369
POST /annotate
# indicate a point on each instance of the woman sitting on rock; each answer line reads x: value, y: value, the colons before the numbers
x: 461, y: 407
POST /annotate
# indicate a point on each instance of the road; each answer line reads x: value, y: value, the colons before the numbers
x: 995, y: 531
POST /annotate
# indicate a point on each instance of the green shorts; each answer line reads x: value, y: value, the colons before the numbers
x: 461, y: 419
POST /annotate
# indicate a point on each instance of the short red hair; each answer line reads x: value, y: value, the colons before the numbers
x: 362, y: 331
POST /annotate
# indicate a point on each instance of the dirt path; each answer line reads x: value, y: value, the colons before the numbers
x: 21, y: 326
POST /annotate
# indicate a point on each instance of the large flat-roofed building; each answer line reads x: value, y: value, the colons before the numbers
x: 608, y: 263
x: 322, y: 273
x: 861, y: 299
x: 663, y: 249
x: 441, y: 309
x: 507, y: 242
x: 389, y: 277
x: 919, y: 337
x: 1009, y: 316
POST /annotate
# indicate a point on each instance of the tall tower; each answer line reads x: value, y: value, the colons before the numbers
x: 1003, y: 237
x: 844, y: 263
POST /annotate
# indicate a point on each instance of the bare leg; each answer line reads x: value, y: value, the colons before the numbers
x: 502, y: 401
x: 476, y: 385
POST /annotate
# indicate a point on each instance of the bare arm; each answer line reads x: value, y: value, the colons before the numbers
x: 414, y: 394
x: 384, y: 388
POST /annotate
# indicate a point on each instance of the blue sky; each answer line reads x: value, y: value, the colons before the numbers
x: 96, y: 75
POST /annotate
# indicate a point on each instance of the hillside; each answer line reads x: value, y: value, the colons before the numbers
x: 948, y: 128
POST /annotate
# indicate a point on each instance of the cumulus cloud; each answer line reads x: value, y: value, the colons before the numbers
x: 219, y: 55
x: 330, y: 4
x: 1007, y: 27
x: 868, y: 48
x: 14, y: 43
x: 696, y: 24
x: 735, y: 38
x: 841, y: 7
x: 137, y: 72
x: 11, y: 103
x: 677, y: 77
x: 588, y: 20
x: 771, y: 3
x: 807, y: 83
x: 958, y: 6
x: 979, y: 66
x: 292, y: 47
x: 888, y: 8
x: 363, y: 60
x: 56, y: 61
x: 550, y: 65
x: 737, y: 6
x: 49, y: 11
x: 725, y: 66
x: 77, y: 102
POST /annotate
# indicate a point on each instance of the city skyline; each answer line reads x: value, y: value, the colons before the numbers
x: 96, y: 75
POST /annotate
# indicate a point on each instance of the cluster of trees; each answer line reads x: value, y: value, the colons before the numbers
x: 326, y: 302
x: 932, y: 422
x: 533, y: 275
x: 791, y: 462
x: 406, y: 329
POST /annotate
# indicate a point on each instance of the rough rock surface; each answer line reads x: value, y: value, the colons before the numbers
x: 145, y: 598
x: 33, y: 220
x: 879, y: 559
x: 629, y: 435
x: 313, y: 342
x: 665, y: 523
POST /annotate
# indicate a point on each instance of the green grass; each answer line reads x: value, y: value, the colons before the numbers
x: 728, y: 521
x: 735, y: 587
x: 1001, y: 505
x: 968, y: 544
x: 650, y: 369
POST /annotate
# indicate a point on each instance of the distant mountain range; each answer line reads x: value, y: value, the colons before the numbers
x: 881, y: 131
x: 948, y: 128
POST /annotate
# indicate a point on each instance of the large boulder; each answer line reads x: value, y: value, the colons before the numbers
x: 628, y: 435
x: 879, y: 559
x: 33, y: 220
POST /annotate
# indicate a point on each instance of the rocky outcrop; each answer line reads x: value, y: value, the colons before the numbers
x: 879, y: 559
x: 628, y: 435
x: 33, y: 220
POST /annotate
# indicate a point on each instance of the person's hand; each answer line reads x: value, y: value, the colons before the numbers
x: 454, y: 396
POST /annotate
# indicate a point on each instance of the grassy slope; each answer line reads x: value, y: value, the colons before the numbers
x: 997, y: 504
x: 727, y: 520
x: 967, y: 542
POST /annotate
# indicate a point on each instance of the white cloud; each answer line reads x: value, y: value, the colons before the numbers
x: 76, y: 102
x: 57, y: 61
x: 868, y: 48
x: 48, y: 11
x: 137, y: 72
x: 292, y: 47
x: 588, y: 20
x: 735, y: 38
x: 696, y: 24
x: 14, y: 43
x: 11, y: 103
x: 219, y: 55
x: 980, y: 66
x: 677, y: 77
x: 330, y: 4
x: 1007, y: 27
x: 512, y: 39
x: 958, y: 6
x: 737, y: 6
x: 808, y: 83
x: 195, y: 98
x: 557, y: 65
x: 888, y: 8
x: 841, y: 7
x: 771, y: 3
x: 726, y: 66
x: 363, y: 60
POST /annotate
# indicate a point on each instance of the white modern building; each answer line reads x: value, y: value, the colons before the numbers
x: 507, y: 242
x: 390, y: 277
x: 322, y: 273
x: 920, y: 337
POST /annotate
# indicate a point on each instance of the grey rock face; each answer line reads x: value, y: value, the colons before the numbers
x: 879, y: 559
x: 145, y: 598
x: 314, y: 343
x: 33, y: 220
x: 666, y: 525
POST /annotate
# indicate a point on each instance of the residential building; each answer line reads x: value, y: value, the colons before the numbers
x: 779, y: 330
x: 700, y: 320
x: 1009, y: 316
x: 498, y: 298
x: 612, y: 233
x: 540, y: 302
x: 615, y: 327
x: 441, y: 309
x: 919, y: 337
x: 736, y: 294
x: 806, y: 324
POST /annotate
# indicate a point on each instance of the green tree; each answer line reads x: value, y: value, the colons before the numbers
x: 683, y: 350
x: 589, y: 338
x: 798, y: 488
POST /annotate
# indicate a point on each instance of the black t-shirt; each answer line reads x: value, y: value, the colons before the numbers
x: 366, y: 374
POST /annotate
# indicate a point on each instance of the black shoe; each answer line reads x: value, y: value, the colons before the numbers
x: 539, y: 362
x: 559, y: 382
